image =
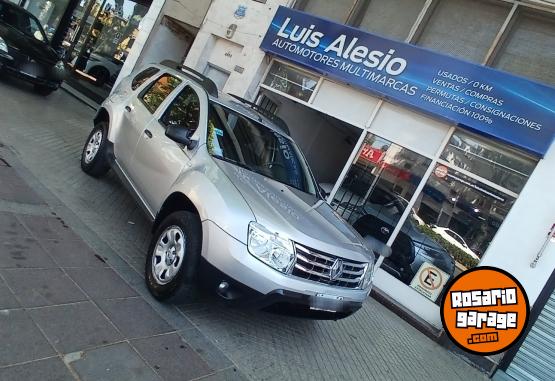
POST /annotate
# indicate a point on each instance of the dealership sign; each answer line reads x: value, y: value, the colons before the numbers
x: 491, y: 102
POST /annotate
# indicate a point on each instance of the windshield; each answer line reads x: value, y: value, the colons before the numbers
x: 237, y: 139
x: 21, y: 21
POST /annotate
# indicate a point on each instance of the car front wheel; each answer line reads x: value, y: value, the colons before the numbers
x: 94, y: 159
x: 173, y: 257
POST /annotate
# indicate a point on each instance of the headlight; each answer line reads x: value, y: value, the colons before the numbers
x: 3, y: 45
x: 368, y: 275
x: 270, y: 248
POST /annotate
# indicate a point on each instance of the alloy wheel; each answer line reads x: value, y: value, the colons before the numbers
x: 168, y: 255
x: 93, y: 146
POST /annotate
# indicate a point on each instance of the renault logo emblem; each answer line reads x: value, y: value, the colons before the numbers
x: 336, y: 269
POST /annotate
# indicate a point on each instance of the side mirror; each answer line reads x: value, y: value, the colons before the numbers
x: 181, y: 135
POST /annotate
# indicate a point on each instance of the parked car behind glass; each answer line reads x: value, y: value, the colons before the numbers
x: 377, y: 217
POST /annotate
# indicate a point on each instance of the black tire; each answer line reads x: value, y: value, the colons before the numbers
x: 44, y: 90
x: 183, y: 286
x: 101, y: 74
x: 99, y: 164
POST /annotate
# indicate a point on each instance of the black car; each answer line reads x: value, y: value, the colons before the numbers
x: 25, y: 51
x: 378, y: 216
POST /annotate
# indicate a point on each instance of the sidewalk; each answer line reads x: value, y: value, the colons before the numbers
x: 66, y: 314
x: 374, y: 344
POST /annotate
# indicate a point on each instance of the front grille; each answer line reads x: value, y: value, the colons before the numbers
x: 317, y: 266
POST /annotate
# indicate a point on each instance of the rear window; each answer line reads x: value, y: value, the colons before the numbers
x: 143, y: 76
x: 22, y: 21
x: 156, y: 94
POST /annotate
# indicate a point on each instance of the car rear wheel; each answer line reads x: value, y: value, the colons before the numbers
x: 94, y: 159
x: 100, y: 74
x: 173, y: 258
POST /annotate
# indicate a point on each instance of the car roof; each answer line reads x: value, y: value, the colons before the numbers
x: 237, y: 104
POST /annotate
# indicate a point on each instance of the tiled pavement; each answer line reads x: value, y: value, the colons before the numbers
x: 65, y: 313
x: 129, y: 327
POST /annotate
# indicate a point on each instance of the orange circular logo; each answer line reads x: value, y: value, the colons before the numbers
x: 485, y: 310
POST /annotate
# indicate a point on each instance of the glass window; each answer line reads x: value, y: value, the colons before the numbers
x: 143, y: 76
x: 291, y: 81
x: 391, y: 18
x: 464, y: 28
x: 98, y: 41
x: 375, y: 194
x: 184, y: 111
x: 255, y: 147
x: 337, y: 10
x: 491, y: 161
x: 530, y: 48
x: 22, y: 21
x: 158, y: 91
x: 49, y: 13
x: 462, y: 213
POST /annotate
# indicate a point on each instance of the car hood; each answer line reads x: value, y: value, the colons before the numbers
x: 28, y: 45
x: 299, y: 216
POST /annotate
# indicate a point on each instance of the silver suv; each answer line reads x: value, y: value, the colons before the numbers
x: 234, y: 203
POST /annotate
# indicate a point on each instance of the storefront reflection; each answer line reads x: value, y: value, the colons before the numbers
x: 98, y: 42
x: 453, y: 219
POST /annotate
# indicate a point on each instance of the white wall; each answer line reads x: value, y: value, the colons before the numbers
x: 164, y: 44
x: 248, y: 35
x: 190, y: 12
x: 187, y: 11
x: 344, y: 103
x: 524, y: 231
x: 409, y: 129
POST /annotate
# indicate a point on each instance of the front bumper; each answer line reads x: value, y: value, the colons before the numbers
x: 254, y: 284
x: 7, y: 64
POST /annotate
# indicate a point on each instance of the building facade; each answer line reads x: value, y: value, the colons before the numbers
x: 451, y: 172
x: 445, y: 193
x: 447, y: 189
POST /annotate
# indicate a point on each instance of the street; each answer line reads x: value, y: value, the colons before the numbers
x: 99, y: 320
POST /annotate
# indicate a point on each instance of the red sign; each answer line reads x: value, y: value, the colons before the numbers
x: 371, y: 154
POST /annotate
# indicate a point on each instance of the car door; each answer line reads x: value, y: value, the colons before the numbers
x: 158, y: 160
x: 138, y: 113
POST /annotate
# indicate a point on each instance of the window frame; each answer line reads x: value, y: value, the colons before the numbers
x: 180, y: 88
x: 133, y: 88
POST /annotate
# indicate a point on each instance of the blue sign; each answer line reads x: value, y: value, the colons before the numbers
x: 491, y: 102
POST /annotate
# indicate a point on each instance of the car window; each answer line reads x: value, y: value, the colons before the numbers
x: 143, y: 76
x: 159, y: 90
x: 184, y: 111
x: 245, y: 142
x: 22, y: 21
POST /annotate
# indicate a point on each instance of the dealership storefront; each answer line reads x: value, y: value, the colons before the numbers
x: 424, y: 152
x: 95, y: 37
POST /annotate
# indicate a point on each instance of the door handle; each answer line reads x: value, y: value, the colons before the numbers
x: 129, y: 108
x: 148, y: 134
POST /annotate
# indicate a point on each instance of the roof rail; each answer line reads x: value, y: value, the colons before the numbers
x: 267, y: 114
x: 201, y: 79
